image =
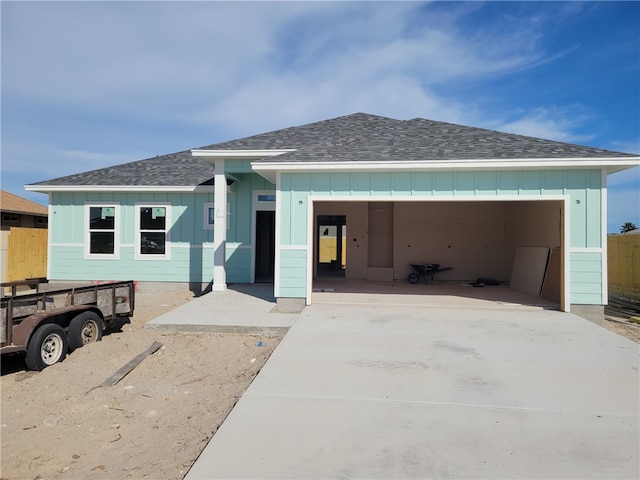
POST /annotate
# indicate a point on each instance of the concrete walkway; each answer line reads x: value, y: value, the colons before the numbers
x: 239, y: 309
x: 401, y: 391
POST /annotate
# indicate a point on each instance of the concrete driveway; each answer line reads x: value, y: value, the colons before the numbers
x: 393, y: 391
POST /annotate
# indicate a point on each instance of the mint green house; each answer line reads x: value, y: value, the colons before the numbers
x: 359, y: 196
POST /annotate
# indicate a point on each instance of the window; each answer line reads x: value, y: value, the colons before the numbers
x: 210, y: 216
x: 10, y: 219
x: 152, y: 230
x: 102, y: 229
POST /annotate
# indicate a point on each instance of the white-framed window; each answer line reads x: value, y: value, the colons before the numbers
x: 102, y: 222
x: 152, y: 231
x: 209, y: 216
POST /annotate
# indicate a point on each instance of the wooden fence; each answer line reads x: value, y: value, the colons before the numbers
x: 26, y: 253
x: 623, y: 260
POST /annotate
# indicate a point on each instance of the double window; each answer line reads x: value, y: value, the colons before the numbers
x: 151, y: 232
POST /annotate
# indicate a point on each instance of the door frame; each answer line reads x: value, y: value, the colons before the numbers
x: 264, y: 206
x: 565, y: 223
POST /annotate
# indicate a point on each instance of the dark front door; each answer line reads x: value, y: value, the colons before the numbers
x: 265, y: 245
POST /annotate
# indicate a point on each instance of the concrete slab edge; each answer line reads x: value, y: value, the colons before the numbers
x: 250, y: 330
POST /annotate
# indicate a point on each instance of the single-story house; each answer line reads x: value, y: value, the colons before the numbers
x: 388, y: 192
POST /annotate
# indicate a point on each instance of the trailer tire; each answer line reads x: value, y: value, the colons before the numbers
x: 83, y: 329
x: 413, y: 278
x: 48, y: 345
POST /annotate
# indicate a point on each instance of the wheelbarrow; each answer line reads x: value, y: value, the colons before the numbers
x: 425, y: 269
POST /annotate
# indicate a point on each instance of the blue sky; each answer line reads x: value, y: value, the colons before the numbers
x: 91, y: 84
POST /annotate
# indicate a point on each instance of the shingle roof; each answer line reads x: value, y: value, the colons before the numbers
x: 352, y: 138
x: 15, y: 204
x: 363, y: 137
x: 175, y: 169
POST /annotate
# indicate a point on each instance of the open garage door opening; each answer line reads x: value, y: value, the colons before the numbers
x: 485, y: 242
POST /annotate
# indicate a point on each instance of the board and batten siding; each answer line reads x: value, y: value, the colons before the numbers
x: 582, y: 186
x: 191, y: 249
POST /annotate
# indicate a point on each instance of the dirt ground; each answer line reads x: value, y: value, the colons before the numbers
x: 629, y: 330
x: 62, y: 424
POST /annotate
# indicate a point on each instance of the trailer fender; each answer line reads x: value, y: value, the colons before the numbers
x: 61, y: 316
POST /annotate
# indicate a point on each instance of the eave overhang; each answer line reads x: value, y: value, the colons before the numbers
x: 117, y: 188
x: 269, y: 170
x: 211, y: 155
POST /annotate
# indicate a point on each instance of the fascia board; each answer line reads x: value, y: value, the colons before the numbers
x: 240, y: 154
x: 611, y: 163
x: 117, y: 188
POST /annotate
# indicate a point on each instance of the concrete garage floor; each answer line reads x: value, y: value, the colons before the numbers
x: 372, y: 389
x: 441, y: 294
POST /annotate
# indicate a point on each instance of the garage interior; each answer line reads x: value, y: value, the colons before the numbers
x: 365, y: 247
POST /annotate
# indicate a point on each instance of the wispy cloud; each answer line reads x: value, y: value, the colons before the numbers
x: 551, y: 122
x: 145, y: 57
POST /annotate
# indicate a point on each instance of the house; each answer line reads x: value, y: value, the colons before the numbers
x: 21, y: 216
x: 389, y: 192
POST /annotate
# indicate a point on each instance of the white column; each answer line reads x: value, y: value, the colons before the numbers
x: 219, y: 227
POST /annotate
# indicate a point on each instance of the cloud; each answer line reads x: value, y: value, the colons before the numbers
x: 551, y: 122
x: 19, y: 160
x: 147, y: 57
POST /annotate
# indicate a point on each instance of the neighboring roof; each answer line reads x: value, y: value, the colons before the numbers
x: 14, y: 204
x: 359, y: 140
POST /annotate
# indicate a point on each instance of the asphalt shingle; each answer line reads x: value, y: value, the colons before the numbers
x: 352, y: 138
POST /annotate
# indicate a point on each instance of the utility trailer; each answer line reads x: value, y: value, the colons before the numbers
x: 47, y: 324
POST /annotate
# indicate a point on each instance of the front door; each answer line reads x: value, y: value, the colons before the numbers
x: 265, y: 245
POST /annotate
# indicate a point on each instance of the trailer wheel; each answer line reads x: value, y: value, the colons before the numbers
x: 413, y: 278
x: 84, y: 328
x: 48, y: 345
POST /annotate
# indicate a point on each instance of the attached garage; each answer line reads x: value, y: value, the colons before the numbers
x: 380, y: 240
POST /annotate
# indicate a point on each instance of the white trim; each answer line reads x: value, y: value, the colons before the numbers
x: 612, y: 164
x: 137, y: 255
x: 187, y: 245
x: 220, y: 227
x: 585, y: 249
x: 437, y: 198
x: 49, y: 235
x: 604, y: 241
x: 206, y: 208
x: 118, y: 188
x: 87, y: 231
x: 512, y: 163
x: 240, y: 154
x: 69, y: 245
x: 565, y: 199
x: 310, y: 238
x: 566, y: 228
x: 278, y: 226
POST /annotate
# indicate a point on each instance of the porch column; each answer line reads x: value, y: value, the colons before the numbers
x: 219, y: 227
